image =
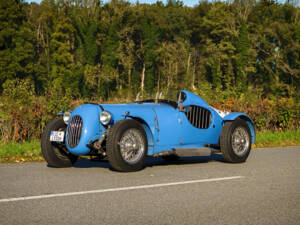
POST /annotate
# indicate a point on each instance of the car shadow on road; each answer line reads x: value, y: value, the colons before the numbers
x: 152, y: 161
x: 87, y: 163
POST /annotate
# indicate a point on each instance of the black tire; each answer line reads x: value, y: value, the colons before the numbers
x: 113, y: 148
x: 170, y: 157
x: 227, y: 143
x: 55, y: 155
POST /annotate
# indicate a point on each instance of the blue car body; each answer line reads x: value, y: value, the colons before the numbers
x: 191, y: 124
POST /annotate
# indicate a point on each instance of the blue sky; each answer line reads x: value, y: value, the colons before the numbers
x: 186, y: 2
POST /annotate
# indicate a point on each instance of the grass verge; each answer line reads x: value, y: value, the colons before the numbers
x: 20, y: 152
x: 31, y: 151
x: 276, y: 139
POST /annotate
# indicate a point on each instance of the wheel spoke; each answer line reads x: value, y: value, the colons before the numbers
x: 240, y: 141
x: 132, y: 146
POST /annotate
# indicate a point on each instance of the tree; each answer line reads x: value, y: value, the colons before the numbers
x: 242, y: 48
x: 63, y: 69
x: 12, y: 27
x: 126, y: 54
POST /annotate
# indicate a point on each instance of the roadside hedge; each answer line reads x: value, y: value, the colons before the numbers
x: 23, y: 115
x: 267, y: 114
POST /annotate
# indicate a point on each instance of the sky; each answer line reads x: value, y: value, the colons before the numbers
x: 186, y: 2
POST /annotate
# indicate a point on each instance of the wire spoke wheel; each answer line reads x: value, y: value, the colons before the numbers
x: 132, y: 146
x: 127, y: 146
x: 235, y: 141
x: 240, y: 141
x: 55, y: 153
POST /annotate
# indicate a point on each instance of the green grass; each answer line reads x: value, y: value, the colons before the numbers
x: 273, y: 139
x: 20, y: 152
x: 31, y: 151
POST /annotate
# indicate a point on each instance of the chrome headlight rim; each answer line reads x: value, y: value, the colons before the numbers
x: 66, y: 116
x: 105, y: 117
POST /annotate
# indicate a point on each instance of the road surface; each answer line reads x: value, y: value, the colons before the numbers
x: 194, y: 190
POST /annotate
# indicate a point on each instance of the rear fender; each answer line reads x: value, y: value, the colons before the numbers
x: 233, y: 116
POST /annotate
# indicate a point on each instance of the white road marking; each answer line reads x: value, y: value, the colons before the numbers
x: 117, y: 189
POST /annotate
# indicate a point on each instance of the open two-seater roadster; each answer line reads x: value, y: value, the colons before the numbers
x: 126, y: 133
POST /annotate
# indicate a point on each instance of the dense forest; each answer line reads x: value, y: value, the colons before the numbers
x: 239, y: 55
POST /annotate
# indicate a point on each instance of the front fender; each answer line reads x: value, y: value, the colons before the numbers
x: 92, y: 129
x: 148, y: 120
x: 149, y: 133
x: 143, y: 113
x: 235, y: 115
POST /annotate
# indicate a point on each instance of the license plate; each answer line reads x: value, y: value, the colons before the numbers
x: 57, y: 136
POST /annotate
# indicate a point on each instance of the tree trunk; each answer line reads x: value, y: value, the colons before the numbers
x: 176, y: 76
x: 193, y: 77
x: 169, y: 76
x: 129, y: 78
x: 188, y: 65
x: 143, y: 78
x: 196, y: 63
x: 129, y: 82
x: 158, y: 82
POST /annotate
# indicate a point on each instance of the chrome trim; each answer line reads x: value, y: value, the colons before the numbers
x: 74, y: 131
x: 199, y: 117
x: 240, y: 141
x: 132, y: 146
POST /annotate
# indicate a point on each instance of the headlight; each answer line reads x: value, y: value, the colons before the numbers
x: 67, y: 116
x: 105, y: 117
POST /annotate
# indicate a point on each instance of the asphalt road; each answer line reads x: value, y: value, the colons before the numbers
x: 195, y: 190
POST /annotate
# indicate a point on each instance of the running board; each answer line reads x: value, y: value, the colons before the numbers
x: 192, y: 151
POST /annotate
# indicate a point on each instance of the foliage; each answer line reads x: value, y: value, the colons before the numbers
x: 267, y: 114
x: 21, y: 113
x: 243, y: 56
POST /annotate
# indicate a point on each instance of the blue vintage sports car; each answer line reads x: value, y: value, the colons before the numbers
x: 126, y: 133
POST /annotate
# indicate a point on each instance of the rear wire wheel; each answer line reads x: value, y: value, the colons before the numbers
x: 235, y: 141
x: 127, y: 146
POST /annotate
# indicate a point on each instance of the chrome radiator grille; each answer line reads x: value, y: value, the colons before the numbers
x: 74, y: 131
x: 199, y: 117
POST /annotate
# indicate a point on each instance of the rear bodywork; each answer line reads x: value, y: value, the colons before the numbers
x: 190, y: 124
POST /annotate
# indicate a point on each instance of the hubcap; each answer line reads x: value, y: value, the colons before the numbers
x: 240, y: 141
x: 132, y: 146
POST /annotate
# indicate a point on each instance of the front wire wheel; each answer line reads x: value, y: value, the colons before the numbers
x: 54, y: 153
x: 235, y: 141
x: 127, y: 146
x: 132, y: 146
